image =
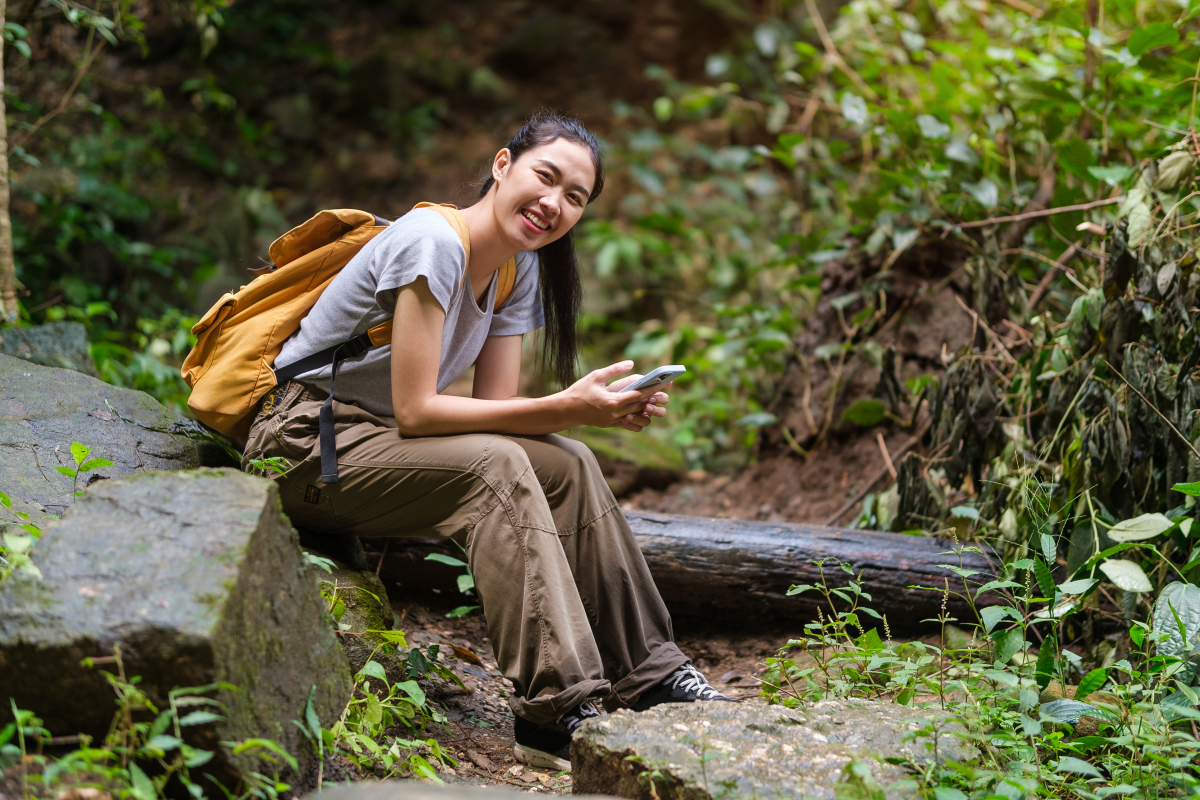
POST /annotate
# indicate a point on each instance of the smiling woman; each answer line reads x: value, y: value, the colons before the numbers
x: 572, y: 611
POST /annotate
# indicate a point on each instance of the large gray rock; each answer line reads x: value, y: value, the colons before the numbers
x: 706, y: 750
x: 55, y: 344
x: 199, y: 578
x: 43, y: 410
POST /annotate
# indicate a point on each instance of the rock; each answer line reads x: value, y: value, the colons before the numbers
x: 55, y: 344
x: 706, y: 750
x: 43, y: 410
x: 199, y: 578
x: 415, y: 790
x: 363, y: 604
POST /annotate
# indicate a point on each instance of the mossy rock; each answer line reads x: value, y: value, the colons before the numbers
x: 43, y: 410
x: 198, y: 578
x: 364, y: 607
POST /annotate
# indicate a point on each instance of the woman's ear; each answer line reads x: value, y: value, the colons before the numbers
x: 500, y: 164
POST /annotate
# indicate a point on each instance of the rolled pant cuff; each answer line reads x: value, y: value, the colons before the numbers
x: 550, y: 707
x: 654, y: 670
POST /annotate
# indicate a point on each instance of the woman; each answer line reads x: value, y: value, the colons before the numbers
x: 572, y: 612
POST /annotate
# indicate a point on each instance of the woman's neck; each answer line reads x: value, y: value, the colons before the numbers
x: 489, y: 247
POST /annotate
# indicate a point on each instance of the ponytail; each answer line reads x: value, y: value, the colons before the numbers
x: 558, y: 269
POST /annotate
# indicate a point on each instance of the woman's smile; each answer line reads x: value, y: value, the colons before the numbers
x: 535, y: 220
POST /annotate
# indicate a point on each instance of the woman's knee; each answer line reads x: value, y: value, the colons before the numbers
x: 504, y: 460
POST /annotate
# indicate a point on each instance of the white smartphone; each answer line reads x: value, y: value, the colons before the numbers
x: 657, y: 377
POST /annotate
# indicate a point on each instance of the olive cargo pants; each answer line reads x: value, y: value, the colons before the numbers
x: 572, y: 611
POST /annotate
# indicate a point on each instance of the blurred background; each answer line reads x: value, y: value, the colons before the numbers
x: 785, y: 178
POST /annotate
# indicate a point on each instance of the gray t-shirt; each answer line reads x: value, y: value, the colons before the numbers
x: 421, y: 243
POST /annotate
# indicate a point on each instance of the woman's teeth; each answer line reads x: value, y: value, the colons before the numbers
x: 545, y: 226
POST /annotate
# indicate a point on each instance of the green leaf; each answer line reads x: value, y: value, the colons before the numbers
x: 1070, y: 711
x: 1156, y: 34
x: 142, y: 788
x: 164, y: 742
x: 866, y: 413
x: 1008, y: 644
x: 466, y: 583
x: 250, y: 745
x: 1113, y: 176
x: 1044, y: 580
x: 373, y: 710
x: 70, y: 473
x: 1078, y: 766
x: 1147, y: 526
x: 993, y: 614
x: 1091, y: 682
x: 1188, y: 488
x: 413, y: 690
x: 373, y: 669
x: 1077, y: 587
x: 460, y: 611
x: 1126, y: 575
x: 79, y: 452
x: 758, y: 418
x: 1178, y: 605
x: 1044, y: 670
x: 200, y: 718
x: 95, y: 463
x: 444, y: 559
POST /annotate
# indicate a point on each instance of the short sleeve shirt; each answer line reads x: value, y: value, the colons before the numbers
x: 419, y: 244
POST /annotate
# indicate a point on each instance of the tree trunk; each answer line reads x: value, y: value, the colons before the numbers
x: 734, y: 573
x: 8, y: 271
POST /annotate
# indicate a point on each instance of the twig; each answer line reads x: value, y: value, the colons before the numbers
x: 792, y: 443
x: 853, y: 501
x: 887, y: 459
x: 1044, y: 284
x: 1154, y: 409
x: 1045, y: 212
x: 832, y: 53
x: 1021, y: 5
x: 382, y: 555
x: 84, y: 66
x: 987, y: 328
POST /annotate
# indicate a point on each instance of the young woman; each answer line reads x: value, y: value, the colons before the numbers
x: 572, y: 612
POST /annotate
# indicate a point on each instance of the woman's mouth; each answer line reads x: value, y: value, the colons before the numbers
x: 535, y: 220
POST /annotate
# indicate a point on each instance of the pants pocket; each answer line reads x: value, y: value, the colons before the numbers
x: 309, y: 505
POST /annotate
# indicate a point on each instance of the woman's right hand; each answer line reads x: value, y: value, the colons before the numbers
x: 593, y: 403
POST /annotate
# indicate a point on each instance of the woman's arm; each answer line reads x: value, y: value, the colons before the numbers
x: 421, y: 411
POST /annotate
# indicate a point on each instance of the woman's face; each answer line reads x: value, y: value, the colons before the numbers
x: 541, y: 195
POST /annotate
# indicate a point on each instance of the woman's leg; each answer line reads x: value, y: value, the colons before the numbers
x: 629, y: 621
x: 482, y: 485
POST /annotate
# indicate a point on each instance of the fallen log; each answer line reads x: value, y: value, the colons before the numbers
x: 723, y: 572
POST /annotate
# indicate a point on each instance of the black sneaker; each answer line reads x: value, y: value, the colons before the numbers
x: 684, y: 685
x: 548, y: 745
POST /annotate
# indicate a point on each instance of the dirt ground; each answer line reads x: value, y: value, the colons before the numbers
x: 479, y: 731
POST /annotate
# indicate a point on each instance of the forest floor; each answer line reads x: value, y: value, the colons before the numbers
x: 479, y: 730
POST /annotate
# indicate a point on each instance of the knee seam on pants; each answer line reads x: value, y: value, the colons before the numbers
x: 573, y: 530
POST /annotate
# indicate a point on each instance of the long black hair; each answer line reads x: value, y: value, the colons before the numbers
x: 562, y: 293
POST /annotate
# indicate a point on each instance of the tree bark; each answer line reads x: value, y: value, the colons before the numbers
x: 735, y: 573
x: 8, y: 270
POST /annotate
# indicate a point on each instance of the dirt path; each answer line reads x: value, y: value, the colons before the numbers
x: 479, y: 732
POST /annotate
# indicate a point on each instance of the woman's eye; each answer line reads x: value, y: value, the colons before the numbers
x: 544, y: 176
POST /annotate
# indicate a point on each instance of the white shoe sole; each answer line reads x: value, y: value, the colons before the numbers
x: 540, y: 758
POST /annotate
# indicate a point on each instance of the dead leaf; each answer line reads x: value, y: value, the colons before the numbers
x: 730, y: 676
x: 466, y: 655
x: 481, y: 761
x: 100, y: 413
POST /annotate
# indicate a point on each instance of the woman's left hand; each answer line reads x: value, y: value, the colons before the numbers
x: 654, y: 408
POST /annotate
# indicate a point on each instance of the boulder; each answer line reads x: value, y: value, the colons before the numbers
x: 198, y: 577
x: 55, y: 344
x: 700, y: 751
x: 43, y: 410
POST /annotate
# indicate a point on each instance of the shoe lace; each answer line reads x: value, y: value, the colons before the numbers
x: 691, y: 679
x: 575, y: 717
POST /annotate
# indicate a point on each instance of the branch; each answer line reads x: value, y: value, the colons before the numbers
x: 1046, y: 212
x: 832, y: 53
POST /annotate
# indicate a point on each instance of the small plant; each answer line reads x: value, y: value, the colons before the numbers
x: 277, y: 464
x: 466, y: 581
x: 16, y: 546
x: 144, y: 749
x: 82, y: 464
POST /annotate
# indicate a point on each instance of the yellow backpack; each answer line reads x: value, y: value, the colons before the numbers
x: 231, y: 367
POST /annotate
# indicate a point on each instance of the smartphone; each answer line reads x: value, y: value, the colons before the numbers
x: 658, y: 377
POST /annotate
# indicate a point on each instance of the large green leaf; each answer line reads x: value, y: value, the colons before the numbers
x: 1178, y: 605
x: 1147, y: 526
x: 1126, y: 575
x: 1153, y: 35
